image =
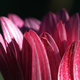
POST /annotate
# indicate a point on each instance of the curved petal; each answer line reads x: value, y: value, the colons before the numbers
x: 30, y: 58
x: 66, y: 65
x: 76, y: 65
x: 72, y: 29
x: 62, y: 41
x: 11, y: 31
x: 13, y: 64
x: 4, y: 64
x: 32, y: 23
x: 17, y: 53
x: 52, y: 57
x: 51, y: 41
x: 62, y: 15
x: 43, y: 59
x: 48, y: 24
x: 16, y: 20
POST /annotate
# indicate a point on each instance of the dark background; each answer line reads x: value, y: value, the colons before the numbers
x: 37, y: 8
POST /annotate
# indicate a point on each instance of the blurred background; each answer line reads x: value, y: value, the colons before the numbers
x: 37, y: 8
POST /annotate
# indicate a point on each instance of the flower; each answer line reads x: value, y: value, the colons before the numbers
x: 42, y: 54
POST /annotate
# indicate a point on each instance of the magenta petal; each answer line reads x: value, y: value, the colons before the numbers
x: 11, y: 31
x: 76, y: 65
x: 72, y: 29
x: 48, y: 23
x: 62, y: 41
x: 62, y: 15
x: 32, y: 23
x: 43, y: 59
x: 3, y: 53
x: 66, y: 65
x: 3, y: 64
x: 17, y: 53
x: 16, y: 20
x: 61, y: 31
x: 31, y: 65
x: 13, y: 64
x: 5, y: 70
x: 51, y: 41
x: 52, y: 57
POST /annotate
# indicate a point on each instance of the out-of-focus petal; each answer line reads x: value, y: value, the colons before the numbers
x: 16, y: 20
x: 72, y: 29
x: 76, y: 65
x: 30, y: 58
x: 62, y: 15
x: 42, y: 55
x: 11, y: 31
x: 62, y: 41
x: 53, y: 57
x: 48, y: 23
x: 32, y: 23
x: 66, y: 65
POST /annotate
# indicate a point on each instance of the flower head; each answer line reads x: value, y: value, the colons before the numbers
x: 47, y: 53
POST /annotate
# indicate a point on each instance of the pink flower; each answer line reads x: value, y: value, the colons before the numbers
x: 34, y: 57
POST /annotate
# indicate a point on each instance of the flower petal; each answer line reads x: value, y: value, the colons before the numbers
x: 3, y: 64
x: 51, y: 41
x: 16, y: 20
x: 11, y: 31
x: 17, y: 53
x: 32, y: 23
x: 31, y: 65
x: 43, y: 59
x: 62, y: 15
x: 48, y: 23
x: 13, y: 64
x: 66, y: 65
x: 5, y: 70
x: 72, y: 29
x: 76, y: 65
x: 62, y: 41
x: 52, y: 57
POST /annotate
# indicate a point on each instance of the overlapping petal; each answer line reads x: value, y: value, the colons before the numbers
x: 52, y: 53
x: 48, y: 23
x: 9, y: 67
x: 62, y: 15
x: 32, y: 23
x: 16, y: 20
x: 76, y: 65
x: 48, y: 38
x: 72, y: 29
x: 11, y: 31
x: 66, y: 65
x: 61, y: 38
x: 35, y: 49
